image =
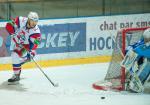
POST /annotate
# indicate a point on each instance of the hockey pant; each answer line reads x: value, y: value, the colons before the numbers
x: 17, y: 61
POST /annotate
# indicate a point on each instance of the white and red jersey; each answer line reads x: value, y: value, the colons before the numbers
x: 26, y: 41
x: 23, y: 35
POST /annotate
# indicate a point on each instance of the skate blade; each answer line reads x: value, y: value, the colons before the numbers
x: 13, y: 83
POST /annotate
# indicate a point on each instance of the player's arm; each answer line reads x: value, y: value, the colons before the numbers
x: 12, y: 25
x: 34, y: 41
x: 143, y: 50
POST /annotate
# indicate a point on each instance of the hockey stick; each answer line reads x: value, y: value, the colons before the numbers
x: 55, y: 85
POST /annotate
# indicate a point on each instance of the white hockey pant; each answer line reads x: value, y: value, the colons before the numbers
x: 17, y: 62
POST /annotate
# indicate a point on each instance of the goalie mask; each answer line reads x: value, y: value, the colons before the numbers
x: 146, y: 35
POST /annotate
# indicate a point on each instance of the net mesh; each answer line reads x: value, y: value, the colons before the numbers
x: 131, y: 37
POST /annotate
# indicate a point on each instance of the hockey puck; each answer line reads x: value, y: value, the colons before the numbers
x: 102, y: 97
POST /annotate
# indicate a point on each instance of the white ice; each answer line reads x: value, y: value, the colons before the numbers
x: 75, y: 88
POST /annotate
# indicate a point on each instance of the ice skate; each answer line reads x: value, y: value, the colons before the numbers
x: 14, y: 79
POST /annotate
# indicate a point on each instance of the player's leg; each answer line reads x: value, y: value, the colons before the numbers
x: 16, y: 60
x: 144, y: 71
x: 139, y: 78
x: 134, y: 83
x: 19, y: 57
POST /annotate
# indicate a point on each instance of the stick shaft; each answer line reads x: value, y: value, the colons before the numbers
x: 43, y: 72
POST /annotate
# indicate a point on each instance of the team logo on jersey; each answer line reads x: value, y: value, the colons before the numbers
x: 21, y: 36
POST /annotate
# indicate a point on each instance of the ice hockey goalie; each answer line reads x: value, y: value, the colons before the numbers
x: 137, y: 63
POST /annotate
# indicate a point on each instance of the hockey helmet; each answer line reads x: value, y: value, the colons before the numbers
x: 146, y: 33
x: 146, y: 36
x: 33, y: 16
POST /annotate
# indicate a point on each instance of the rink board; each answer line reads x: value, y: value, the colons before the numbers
x: 49, y: 63
x: 70, y: 41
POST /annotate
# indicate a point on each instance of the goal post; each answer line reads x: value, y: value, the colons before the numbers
x: 115, y: 78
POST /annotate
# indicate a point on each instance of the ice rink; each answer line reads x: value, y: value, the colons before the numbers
x: 75, y: 88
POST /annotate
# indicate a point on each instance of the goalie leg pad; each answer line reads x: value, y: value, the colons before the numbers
x: 139, y: 76
x: 129, y: 59
x: 135, y: 85
x: 144, y: 71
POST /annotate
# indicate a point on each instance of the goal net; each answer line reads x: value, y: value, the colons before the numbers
x: 116, y: 76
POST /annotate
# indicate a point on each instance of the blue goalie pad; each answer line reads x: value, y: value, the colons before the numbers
x: 143, y: 75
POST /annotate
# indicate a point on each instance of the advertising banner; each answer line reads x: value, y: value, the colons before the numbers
x: 78, y: 37
x: 4, y: 46
x: 59, y: 38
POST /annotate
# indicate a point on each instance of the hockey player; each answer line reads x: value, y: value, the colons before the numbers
x: 137, y: 62
x: 26, y: 37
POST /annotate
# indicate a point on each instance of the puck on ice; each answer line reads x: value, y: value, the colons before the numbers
x: 102, y: 97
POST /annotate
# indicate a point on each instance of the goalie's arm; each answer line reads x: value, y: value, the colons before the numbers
x: 143, y: 50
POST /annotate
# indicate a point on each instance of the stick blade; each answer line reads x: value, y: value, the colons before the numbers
x: 56, y: 85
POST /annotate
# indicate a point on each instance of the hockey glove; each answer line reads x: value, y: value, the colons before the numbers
x: 30, y: 54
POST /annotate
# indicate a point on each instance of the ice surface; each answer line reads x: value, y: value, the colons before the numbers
x: 75, y: 88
